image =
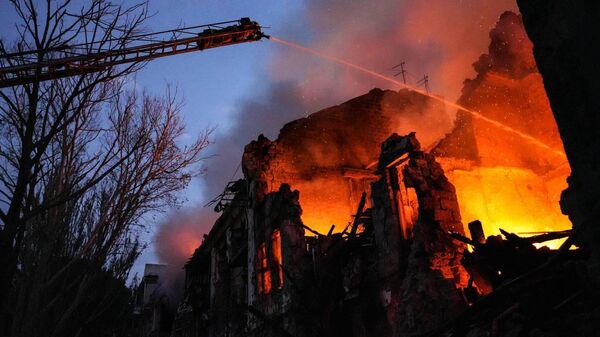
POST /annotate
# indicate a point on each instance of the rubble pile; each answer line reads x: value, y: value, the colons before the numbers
x: 517, y: 289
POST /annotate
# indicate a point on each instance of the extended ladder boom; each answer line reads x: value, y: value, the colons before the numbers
x: 214, y: 35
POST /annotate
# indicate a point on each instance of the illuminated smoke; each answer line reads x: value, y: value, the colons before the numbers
x: 440, y: 38
x: 375, y: 74
x: 178, y: 236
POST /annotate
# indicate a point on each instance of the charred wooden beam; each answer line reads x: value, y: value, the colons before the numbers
x: 331, y: 230
x: 357, y: 216
x: 548, y: 236
x: 462, y: 239
x: 312, y: 230
x: 477, y: 233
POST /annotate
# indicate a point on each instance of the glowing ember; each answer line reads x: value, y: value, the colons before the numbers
x: 277, y: 258
x: 262, y: 268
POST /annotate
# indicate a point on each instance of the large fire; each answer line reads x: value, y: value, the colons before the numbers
x: 511, y: 198
x: 505, y: 180
x: 504, y: 154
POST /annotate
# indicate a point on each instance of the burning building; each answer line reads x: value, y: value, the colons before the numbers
x: 339, y: 229
x: 263, y: 272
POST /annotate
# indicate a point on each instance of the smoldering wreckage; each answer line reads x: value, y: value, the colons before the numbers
x: 403, y: 265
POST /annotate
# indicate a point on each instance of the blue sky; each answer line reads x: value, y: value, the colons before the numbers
x: 213, y: 82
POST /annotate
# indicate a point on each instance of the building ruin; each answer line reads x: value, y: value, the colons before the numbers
x: 262, y: 272
x: 339, y: 229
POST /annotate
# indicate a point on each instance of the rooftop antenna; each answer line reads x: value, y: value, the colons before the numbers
x: 402, y: 71
x: 424, y: 82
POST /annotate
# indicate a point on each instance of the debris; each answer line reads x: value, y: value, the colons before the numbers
x: 516, y: 288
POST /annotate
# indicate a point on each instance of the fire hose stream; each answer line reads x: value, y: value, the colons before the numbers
x: 372, y: 73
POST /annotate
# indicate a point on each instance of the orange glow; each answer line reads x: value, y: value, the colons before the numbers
x: 186, y: 243
x: 512, y: 178
x: 514, y: 199
x: 325, y: 202
x: 277, y: 259
x: 262, y: 270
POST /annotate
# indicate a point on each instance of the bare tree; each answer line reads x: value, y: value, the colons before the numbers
x: 82, y: 160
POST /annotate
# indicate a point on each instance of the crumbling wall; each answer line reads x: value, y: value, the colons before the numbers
x: 434, y: 276
x: 222, y: 290
x: 507, y: 88
x: 426, y: 288
x: 278, y: 310
x: 439, y: 214
x: 215, y: 295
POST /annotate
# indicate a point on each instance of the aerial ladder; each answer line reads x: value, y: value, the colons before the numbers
x: 72, y: 62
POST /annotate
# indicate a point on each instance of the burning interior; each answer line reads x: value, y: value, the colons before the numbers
x: 336, y: 221
x: 502, y: 178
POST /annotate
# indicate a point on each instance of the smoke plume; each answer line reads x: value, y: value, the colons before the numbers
x: 439, y: 38
x: 176, y: 239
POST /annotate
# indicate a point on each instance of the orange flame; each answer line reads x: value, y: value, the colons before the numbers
x: 504, y: 192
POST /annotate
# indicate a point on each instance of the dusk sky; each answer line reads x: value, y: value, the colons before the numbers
x: 234, y: 88
x: 212, y: 83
